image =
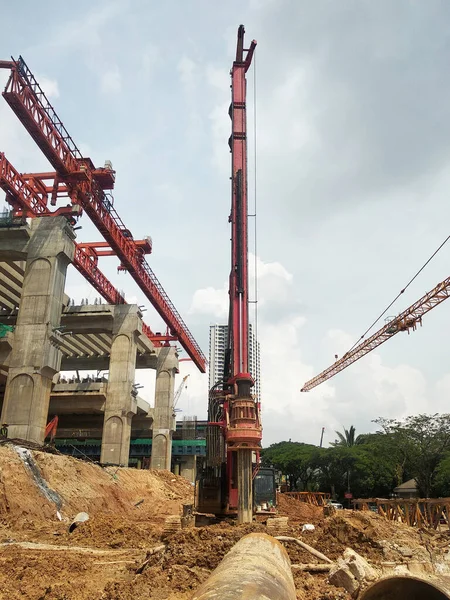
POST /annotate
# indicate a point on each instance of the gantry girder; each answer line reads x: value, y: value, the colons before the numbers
x: 84, y: 184
x: 26, y: 201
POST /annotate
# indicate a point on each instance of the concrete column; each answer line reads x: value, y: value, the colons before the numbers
x: 188, y: 468
x: 121, y: 403
x: 166, y: 368
x: 35, y: 357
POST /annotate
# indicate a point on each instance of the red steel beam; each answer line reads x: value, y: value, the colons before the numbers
x: 38, y: 116
x: 103, y: 248
x: 23, y: 197
x: 405, y: 321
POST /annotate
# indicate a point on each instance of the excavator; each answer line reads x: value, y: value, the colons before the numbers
x: 232, y: 483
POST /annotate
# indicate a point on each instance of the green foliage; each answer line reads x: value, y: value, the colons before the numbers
x: 374, y: 472
x: 372, y: 465
x: 441, y: 487
x: 348, y: 439
x: 293, y: 459
x: 421, y: 442
x: 333, y: 466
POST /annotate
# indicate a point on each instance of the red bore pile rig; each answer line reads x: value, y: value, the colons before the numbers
x: 234, y: 426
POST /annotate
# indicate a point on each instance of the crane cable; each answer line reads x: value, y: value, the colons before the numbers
x: 400, y: 293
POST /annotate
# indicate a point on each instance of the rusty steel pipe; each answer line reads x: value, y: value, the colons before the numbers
x: 256, y: 567
x: 412, y: 588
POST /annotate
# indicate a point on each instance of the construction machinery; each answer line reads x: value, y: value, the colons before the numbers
x: 82, y: 187
x: 176, y: 398
x: 177, y: 395
x: 225, y: 486
x: 405, y: 321
x: 51, y: 429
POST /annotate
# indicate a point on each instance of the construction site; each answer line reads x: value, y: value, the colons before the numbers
x: 105, y: 496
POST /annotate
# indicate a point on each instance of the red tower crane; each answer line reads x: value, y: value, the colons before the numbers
x: 405, y: 321
x: 88, y: 188
x: 234, y: 430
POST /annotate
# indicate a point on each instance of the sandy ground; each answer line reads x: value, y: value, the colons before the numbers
x: 102, y: 559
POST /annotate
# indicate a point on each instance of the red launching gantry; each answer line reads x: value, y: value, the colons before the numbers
x: 88, y: 189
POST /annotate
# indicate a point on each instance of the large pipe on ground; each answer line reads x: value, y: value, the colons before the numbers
x: 394, y: 588
x: 256, y: 567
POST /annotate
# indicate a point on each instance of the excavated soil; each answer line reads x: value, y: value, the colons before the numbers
x: 298, y: 512
x: 103, y: 558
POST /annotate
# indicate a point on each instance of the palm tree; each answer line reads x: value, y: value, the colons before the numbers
x: 348, y: 439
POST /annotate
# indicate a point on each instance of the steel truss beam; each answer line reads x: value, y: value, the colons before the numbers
x: 85, y: 185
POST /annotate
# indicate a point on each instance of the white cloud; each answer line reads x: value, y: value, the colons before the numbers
x: 220, y: 132
x: 111, y: 81
x: 50, y: 86
x: 18, y: 146
x: 211, y: 301
x: 286, y: 116
x: 187, y: 69
x: 273, y: 284
x: 267, y: 269
x: 150, y: 60
x: 218, y: 78
x: 88, y: 28
x: 259, y: 4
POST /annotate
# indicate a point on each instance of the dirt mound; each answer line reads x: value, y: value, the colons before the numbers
x: 39, y: 575
x: 297, y: 511
x: 34, y: 485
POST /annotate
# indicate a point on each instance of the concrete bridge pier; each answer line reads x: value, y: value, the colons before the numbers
x: 121, y: 399
x: 35, y: 357
x: 167, y: 367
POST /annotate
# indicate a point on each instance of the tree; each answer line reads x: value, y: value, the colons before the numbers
x: 348, y: 439
x: 293, y: 459
x: 421, y: 442
x: 441, y: 484
x: 374, y: 472
x: 333, y: 465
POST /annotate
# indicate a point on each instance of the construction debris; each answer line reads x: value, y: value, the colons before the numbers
x: 307, y: 547
x: 81, y: 517
x: 277, y: 525
x: 341, y: 576
x: 352, y: 572
x: 150, y: 553
x: 172, y: 525
x: 312, y: 568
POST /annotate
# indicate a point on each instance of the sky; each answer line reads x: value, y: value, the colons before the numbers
x: 350, y: 179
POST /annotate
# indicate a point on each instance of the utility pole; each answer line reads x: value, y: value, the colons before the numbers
x: 321, y: 437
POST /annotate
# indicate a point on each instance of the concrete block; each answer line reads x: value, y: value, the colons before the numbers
x: 277, y: 525
x: 420, y: 569
x: 405, y: 551
x: 341, y: 576
x: 359, y: 566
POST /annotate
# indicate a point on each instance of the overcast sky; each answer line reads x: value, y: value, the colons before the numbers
x: 353, y: 178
